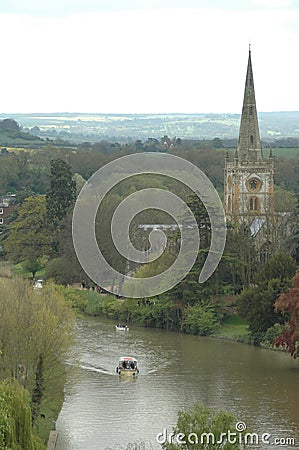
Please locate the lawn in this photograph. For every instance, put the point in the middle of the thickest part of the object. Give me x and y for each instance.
(233, 327)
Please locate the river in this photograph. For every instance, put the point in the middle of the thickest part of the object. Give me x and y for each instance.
(100, 412)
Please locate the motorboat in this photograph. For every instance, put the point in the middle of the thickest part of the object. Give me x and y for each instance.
(121, 327)
(127, 366)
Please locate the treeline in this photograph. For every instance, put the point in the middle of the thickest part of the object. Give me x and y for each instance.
(28, 172)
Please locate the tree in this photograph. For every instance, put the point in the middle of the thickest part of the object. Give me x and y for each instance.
(284, 201)
(29, 235)
(9, 125)
(65, 268)
(62, 192)
(15, 418)
(200, 319)
(201, 428)
(36, 332)
(288, 304)
(239, 258)
(280, 266)
(256, 303)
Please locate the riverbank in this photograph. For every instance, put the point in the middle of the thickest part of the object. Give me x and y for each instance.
(165, 314)
(49, 411)
(158, 313)
(233, 328)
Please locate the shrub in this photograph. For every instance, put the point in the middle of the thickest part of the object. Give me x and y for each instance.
(199, 319)
(203, 428)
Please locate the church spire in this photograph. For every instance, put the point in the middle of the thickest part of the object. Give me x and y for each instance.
(249, 145)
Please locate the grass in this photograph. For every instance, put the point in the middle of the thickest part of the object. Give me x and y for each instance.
(233, 327)
(5, 269)
(49, 411)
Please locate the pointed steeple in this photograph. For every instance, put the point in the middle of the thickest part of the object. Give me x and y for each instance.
(249, 144)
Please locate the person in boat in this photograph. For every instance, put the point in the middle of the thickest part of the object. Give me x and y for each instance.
(132, 365)
(124, 365)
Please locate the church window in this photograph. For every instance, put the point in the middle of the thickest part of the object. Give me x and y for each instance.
(251, 139)
(253, 204)
(250, 109)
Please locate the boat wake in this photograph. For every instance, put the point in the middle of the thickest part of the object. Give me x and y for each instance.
(95, 369)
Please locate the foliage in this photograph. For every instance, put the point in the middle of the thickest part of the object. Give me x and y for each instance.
(9, 125)
(200, 319)
(15, 418)
(64, 268)
(36, 331)
(198, 422)
(239, 259)
(272, 333)
(59, 270)
(288, 304)
(28, 238)
(39, 388)
(62, 192)
(284, 201)
(280, 266)
(256, 304)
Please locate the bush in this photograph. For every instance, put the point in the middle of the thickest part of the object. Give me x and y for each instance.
(195, 426)
(199, 319)
(272, 333)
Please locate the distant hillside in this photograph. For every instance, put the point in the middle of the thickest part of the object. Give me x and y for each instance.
(124, 127)
(11, 133)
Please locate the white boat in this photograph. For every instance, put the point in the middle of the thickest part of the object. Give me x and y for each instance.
(127, 366)
(121, 328)
(38, 284)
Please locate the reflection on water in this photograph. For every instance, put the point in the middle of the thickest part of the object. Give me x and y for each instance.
(103, 412)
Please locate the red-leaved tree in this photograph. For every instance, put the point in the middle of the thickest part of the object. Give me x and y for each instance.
(288, 304)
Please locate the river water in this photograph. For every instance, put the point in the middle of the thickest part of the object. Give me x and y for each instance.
(260, 387)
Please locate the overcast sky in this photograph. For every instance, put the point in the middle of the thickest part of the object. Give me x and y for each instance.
(147, 56)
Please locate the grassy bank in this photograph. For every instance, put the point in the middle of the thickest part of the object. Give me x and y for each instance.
(49, 411)
(234, 328)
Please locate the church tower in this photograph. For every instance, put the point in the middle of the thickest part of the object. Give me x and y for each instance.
(249, 177)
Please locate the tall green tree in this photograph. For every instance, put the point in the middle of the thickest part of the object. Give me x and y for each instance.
(29, 235)
(61, 194)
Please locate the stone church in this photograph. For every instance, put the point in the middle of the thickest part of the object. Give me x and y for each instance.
(249, 176)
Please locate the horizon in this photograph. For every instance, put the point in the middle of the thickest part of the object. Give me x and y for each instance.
(140, 113)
